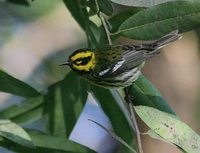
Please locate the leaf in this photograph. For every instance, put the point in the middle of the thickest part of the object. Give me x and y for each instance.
(159, 20)
(116, 116)
(30, 116)
(77, 12)
(117, 20)
(73, 99)
(93, 33)
(64, 104)
(105, 7)
(91, 4)
(12, 85)
(16, 110)
(145, 93)
(140, 3)
(48, 144)
(36, 10)
(54, 143)
(20, 2)
(170, 128)
(80, 14)
(28, 111)
(154, 135)
(103, 39)
(53, 109)
(15, 133)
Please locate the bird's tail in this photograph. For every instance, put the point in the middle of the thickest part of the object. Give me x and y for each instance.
(165, 40)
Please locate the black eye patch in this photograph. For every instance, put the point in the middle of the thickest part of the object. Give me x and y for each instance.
(82, 61)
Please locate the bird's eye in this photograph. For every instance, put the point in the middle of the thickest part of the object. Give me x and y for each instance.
(82, 61)
(78, 61)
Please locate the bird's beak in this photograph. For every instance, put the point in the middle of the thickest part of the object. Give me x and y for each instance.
(65, 63)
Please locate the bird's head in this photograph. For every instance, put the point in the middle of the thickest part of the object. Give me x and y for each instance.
(81, 61)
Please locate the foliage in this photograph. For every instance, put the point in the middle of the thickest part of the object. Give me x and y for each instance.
(169, 128)
(63, 103)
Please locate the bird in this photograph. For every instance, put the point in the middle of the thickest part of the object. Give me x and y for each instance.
(116, 66)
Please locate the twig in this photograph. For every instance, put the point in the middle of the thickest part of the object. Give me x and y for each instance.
(105, 27)
(114, 136)
(128, 100)
(101, 16)
(137, 131)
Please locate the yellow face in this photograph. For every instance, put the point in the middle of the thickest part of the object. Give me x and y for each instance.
(82, 61)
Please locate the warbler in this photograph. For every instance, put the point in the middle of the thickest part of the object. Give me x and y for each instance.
(116, 66)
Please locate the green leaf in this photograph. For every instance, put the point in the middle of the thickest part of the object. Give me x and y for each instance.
(73, 99)
(140, 3)
(15, 133)
(76, 10)
(93, 33)
(30, 116)
(154, 135)
(61, 144)
(30, 110)
(105, 7)
(117, 20)
(145, 93)
(91, 4)
(81, 15)
(103, 39)
(118, 120)
(170, 128)
(19, 2)
(36, 10)
(12, 85)
(53, 101)
(64, 104)
(159, 20)
(16, 110)
(48, 144)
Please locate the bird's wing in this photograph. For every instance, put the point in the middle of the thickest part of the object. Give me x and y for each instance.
(124, 58)
(117, 59)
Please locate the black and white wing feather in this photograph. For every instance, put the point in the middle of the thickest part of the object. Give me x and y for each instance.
(134, 55)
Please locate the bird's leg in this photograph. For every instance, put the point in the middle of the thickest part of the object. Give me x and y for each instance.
(128, 97)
